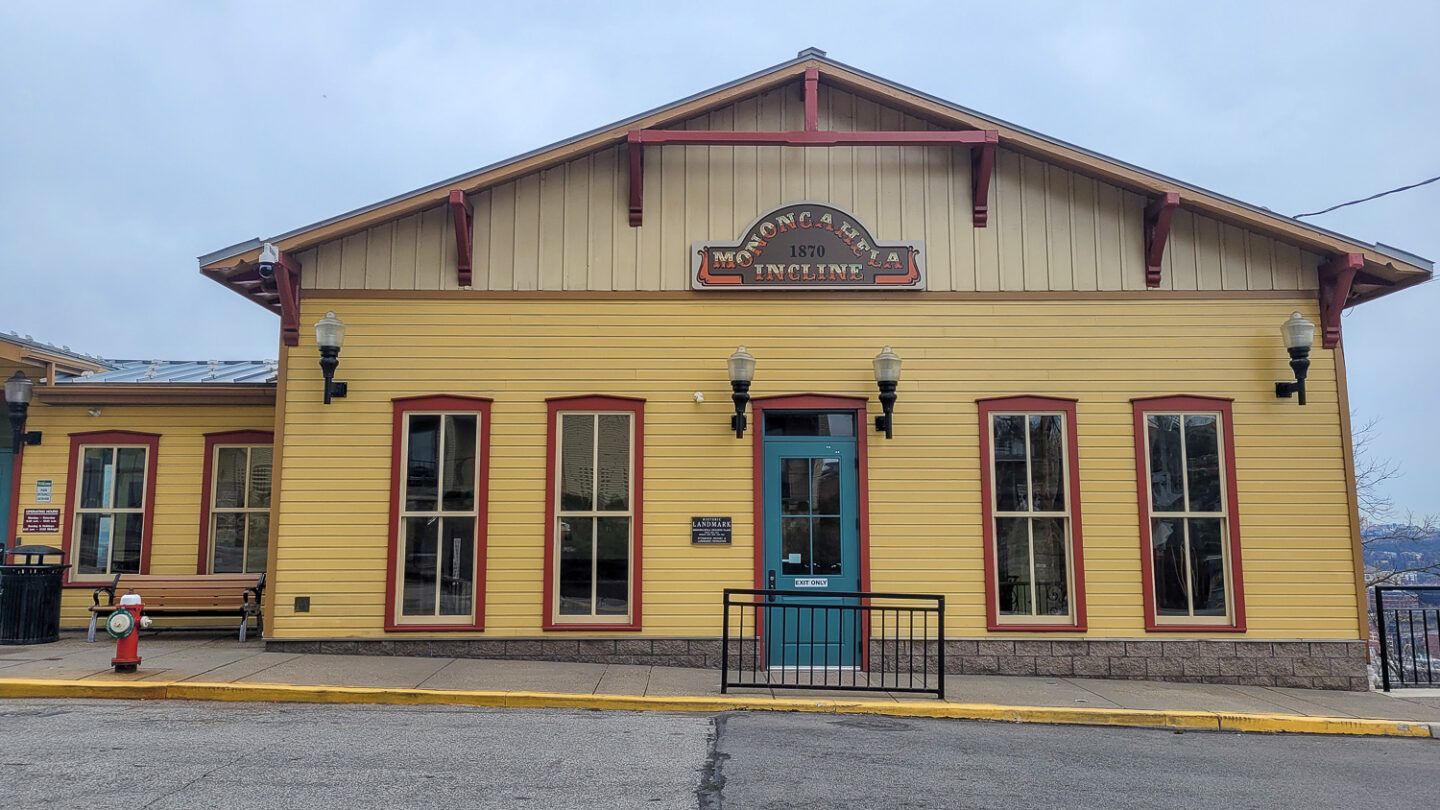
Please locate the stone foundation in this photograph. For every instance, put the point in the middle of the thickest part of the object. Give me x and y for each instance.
(1304, 664)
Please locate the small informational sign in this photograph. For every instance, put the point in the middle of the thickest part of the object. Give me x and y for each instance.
(40, 521)
(810, 246)
(710, 531)
(812, 582)
(42, 490)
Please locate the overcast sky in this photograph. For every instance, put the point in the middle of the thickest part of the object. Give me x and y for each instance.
(138, 136)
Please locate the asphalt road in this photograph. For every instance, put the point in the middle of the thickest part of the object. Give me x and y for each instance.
(120, 754)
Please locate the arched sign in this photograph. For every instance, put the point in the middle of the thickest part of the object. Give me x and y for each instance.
(807, 245)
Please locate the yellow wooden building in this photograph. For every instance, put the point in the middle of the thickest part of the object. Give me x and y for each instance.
(536, 455)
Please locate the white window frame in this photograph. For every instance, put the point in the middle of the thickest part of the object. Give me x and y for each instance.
(439, 513)
(560, 514)
(81, 510)
(1185, 516)
(996, 515)
(245, 510)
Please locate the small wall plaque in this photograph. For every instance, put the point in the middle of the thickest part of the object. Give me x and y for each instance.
(710, 531)
(40, 521)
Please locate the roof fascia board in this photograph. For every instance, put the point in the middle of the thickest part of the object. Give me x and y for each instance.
(158, 394)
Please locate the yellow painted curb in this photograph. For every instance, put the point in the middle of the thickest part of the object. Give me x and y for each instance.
(291, 693)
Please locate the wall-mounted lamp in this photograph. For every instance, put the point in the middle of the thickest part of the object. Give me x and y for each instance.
(887, 377)
(742, 372)
(18, 391)
(330, 335)
(1299, 335)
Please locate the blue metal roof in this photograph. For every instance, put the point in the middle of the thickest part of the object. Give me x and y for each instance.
(180, 371)
(63, 351)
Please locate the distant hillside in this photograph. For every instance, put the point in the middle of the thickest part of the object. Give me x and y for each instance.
(1389, 553)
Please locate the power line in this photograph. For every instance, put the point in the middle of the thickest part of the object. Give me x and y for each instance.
(1368, 199)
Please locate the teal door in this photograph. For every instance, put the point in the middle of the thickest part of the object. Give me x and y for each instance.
(7, 527)
(812, 540)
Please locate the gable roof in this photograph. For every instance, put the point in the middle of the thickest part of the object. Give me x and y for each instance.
(29, 351)
(1386, 269)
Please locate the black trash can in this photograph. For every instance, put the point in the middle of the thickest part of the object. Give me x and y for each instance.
(30, 596)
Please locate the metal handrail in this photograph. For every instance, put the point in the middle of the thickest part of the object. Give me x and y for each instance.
(1431, 656)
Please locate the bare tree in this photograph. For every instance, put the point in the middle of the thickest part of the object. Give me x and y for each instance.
(1382, 525)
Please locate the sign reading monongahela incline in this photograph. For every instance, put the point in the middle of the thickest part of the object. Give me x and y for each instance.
(807, 245)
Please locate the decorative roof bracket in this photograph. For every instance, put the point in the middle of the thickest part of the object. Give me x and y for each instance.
(279, 266)
(1336, 278)
(1157, 233)
(464, 215)
(982, 159)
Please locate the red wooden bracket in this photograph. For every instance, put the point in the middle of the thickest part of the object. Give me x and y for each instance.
(1157, 233)
(1336, 278)
(982, 166)
(637, 178)
(812, 100)
(464, 215)
(287, 285)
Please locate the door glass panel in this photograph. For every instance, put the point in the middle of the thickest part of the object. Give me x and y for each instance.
(1207, 564)
(612, 566)
(1011, 486)
(459, 469)
(577, 463)
(1051, 596)
(1167, 479)
(230, 466)
(577, 552)
(1202, 463)
(795, 486)
(1167, 549)
(825, 547)
(1047, 462)
(825, 485)
(614, 463)
(790, 423)
(422, 464)
(1012, 540)
(421, 565)
(795, 546)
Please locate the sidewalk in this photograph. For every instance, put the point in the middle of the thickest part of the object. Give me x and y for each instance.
(217, 667)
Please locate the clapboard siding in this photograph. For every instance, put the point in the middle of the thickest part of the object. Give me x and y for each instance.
(567, 227)
(924, 484)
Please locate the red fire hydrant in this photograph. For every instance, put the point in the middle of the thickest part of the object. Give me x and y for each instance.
(123, 626)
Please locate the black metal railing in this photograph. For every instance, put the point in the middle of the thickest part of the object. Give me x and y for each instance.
(847, 641)
(1409, 635)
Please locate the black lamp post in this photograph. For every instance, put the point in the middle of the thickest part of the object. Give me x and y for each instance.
(330, 335)
(742, 372)
(18, 391)
(1299, 335)
(887, 378)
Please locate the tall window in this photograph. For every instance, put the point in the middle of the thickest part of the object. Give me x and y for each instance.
(112, 477)
(440, 506)
(1031, 512)
(1187, 499)
(595, 511)
(240, 508)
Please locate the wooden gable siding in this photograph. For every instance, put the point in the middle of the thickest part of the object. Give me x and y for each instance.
(566, 228)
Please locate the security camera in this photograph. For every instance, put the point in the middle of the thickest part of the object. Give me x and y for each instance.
(269, 257)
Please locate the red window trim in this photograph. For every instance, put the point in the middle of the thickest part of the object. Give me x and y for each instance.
(207, 478)
(1066, 406)
(595, 403)
(108, 438)
(1221, 405)
(437, 403)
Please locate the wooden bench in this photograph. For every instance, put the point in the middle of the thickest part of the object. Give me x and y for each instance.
(193, 595)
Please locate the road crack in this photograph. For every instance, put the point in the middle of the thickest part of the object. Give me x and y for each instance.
(712, 773)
